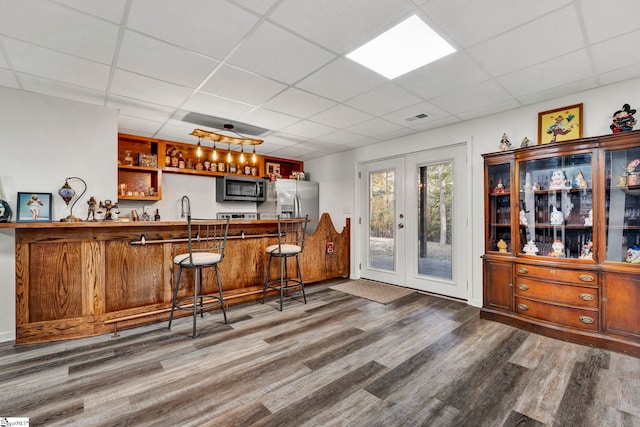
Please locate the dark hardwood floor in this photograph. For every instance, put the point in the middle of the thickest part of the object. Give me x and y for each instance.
(338, 360)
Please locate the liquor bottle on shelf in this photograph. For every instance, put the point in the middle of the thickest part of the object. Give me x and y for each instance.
(167, 157)
(189, 163)
(175, 160)
(181, 162)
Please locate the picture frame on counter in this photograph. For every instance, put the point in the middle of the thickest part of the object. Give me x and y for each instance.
(33, 207)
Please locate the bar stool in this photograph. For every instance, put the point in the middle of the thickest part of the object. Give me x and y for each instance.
(290, 244)
(207, 241)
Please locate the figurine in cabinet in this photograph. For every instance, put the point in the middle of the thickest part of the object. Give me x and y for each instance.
(558, 180)
(523, 217)
(556, 217)
(558, 249)
(500, 188)
(633, 254)
(530, 248)
(587, 250)
(91, 213)
(502, 246)
(588, 221)
(580, 182)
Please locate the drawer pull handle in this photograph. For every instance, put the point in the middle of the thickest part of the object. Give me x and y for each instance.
(586, 297)
(587, 278)
(523, 287)
(586, 319)
(523, 270)
(523, 307)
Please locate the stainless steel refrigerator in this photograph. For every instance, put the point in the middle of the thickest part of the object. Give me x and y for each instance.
(291, 198)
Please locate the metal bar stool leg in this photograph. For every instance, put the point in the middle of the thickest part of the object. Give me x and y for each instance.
(195, 299)
(266, 279)
(224, 310)
(304, 296)
(283, 267)
(175, 296)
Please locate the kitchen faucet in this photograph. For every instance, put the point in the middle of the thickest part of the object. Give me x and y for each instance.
(188, 210)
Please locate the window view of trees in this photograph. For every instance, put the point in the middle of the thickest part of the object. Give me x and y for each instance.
(382, 200)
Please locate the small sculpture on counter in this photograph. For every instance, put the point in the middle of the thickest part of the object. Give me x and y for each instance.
(91, 213)
(111, 210)
(588, 221)
(530, 248)
(623, 120)
(524, 143)
(502, 246)
(558, 180)
(500, 188)
(633, 254)
(556, 217)
(580, 182)
(587, 250)
(505, 145)
(558, 249)
(523, 217)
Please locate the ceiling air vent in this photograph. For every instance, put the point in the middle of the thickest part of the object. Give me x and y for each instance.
(417, 117)
(220, 122)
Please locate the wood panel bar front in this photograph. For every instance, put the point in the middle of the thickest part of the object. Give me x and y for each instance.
(81, 279)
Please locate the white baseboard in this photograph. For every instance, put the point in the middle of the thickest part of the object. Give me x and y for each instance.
(7, 336)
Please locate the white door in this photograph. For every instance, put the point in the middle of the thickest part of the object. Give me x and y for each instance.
(438, 245)
(382, 221)
(413, 221)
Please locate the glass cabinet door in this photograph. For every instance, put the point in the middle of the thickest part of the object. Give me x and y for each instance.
(499, 206)
(622, 205)
(555, 207)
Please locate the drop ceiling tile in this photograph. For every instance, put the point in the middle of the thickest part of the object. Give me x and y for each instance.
(483, 94)
(538, 41)
(493, 107)
(137, 125)
(362, 142)
(557, 92)
(620, 74)
(283, 139)
(469, 22)
(556, 72)
(111, 10)
(607, 57)
(604, 20)
(308, 129)
(340, 26)
(3, 61)
(59, 28)
(298, 103)
(269, 149)
(384, 99)
(209, 27)
(142, 110)
(215, 106)
(147, 89)
(258, 6)
(322, 146)
(144, 55)
(435, 123)
(400, 117)
(61, 90)
(395, 134)
(446, 75)
(269, 48)
(7, 79)
(341, 137)
(234, 83)
(295, 152)
(341, 116)
(374, 127)
(269, 119)
(48, 64)
(340, 80)
(180, 132)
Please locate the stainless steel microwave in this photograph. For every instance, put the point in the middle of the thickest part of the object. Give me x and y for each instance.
(238, 188)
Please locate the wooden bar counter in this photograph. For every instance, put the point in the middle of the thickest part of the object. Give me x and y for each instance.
(81, 279)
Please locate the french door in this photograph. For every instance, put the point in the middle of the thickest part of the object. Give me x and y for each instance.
(414, 213)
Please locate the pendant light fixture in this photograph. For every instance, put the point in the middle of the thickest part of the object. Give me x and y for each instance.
(242, 154)
(254, 158)
(227, 139)
(229, 153)
(199, 149)
(214, 155)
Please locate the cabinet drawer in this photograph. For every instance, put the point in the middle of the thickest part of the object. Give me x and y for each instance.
(580, 296)
(572, 317)
(557, 274)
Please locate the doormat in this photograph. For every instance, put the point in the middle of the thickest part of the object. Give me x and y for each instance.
(373, 291)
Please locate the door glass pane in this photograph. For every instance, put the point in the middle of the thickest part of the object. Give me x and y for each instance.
(382, 202)
(499, 204)
(435, 203)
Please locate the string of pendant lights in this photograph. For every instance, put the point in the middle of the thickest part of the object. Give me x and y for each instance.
(226, 139)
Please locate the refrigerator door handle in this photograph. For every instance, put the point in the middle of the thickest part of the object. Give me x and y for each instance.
(296, 208)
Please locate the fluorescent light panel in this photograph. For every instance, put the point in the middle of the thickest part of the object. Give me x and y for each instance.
(403, 48)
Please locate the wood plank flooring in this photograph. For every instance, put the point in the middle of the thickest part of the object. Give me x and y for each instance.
(337, 361)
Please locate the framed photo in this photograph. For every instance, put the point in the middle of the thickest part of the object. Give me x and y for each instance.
(273, 169)
(560, 124)
(34, 207)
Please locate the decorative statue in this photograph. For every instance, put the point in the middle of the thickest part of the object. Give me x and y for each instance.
(588, 221)
(580, 182)
(500, 188)
(587, 250)
(530, 248)
(525, 142)
(556, 217)
(109, 208)
(523, 218)
(558, 180)
(623, 120)
(92, 209)
(633, 254)
(558, 249)
(502, 246)
(505, 145)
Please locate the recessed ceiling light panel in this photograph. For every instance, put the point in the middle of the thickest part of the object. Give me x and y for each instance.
(405, 47)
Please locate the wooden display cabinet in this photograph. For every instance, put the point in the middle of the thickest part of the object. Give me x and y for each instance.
(562, 252)
(139, 174)
(285, 167)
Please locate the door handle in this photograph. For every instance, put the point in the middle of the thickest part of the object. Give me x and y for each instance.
(401, 225)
